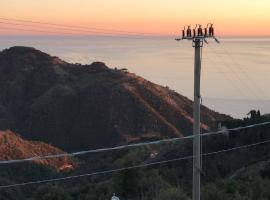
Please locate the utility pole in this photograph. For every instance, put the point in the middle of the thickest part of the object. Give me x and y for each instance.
(198, 38)
(196, 123)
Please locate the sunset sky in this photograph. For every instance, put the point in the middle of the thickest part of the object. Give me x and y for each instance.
(231, 17)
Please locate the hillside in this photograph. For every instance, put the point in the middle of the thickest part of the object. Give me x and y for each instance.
(75, 107)
(12, 146)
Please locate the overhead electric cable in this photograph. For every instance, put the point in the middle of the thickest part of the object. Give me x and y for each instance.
(128, 146)
(131, 167)
(72, 34)
(229, 78)
(237, 64)
(36, 26)
(73, 26)
(235, 74)
(70, 29)
(38, 31)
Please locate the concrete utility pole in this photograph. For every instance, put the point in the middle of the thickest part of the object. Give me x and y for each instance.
(198, 38)
(196, 123)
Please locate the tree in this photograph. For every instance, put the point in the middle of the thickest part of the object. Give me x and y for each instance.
(51, 193)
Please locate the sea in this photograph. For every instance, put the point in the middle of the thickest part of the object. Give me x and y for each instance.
(235, 74)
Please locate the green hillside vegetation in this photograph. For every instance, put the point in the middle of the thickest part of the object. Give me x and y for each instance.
(78, 107)
(240, 174)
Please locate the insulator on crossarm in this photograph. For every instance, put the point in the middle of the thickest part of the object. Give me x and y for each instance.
(183, 33)
(200, 32)
(211, 30)
(194, 33)
(205, 32)
(189, 32)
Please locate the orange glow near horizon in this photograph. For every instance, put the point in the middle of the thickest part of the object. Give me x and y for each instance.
(159, 17)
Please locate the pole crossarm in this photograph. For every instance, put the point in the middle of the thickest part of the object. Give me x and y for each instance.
(198, 33)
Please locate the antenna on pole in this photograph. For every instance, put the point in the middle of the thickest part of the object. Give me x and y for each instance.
(199, 36)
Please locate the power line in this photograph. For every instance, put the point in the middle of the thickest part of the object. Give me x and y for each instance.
(73, 26)
(230, 79)
(72, 34)
(131, 167)
(72, 29)
(236, 74)
(39, 31)
(249, 79)
(128, 146)
(231, 71)
(35, 26)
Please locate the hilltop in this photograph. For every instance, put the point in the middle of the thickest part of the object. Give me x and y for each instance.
(75, 106)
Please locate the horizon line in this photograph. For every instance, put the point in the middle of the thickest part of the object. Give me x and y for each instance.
(126, 35)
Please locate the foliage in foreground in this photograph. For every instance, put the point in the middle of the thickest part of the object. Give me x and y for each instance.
(238, 175)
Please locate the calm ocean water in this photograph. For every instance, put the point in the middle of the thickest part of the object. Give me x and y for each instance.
(235, 73)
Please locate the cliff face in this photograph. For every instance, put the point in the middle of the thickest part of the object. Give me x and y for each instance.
(12, 146)
(78, 107)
